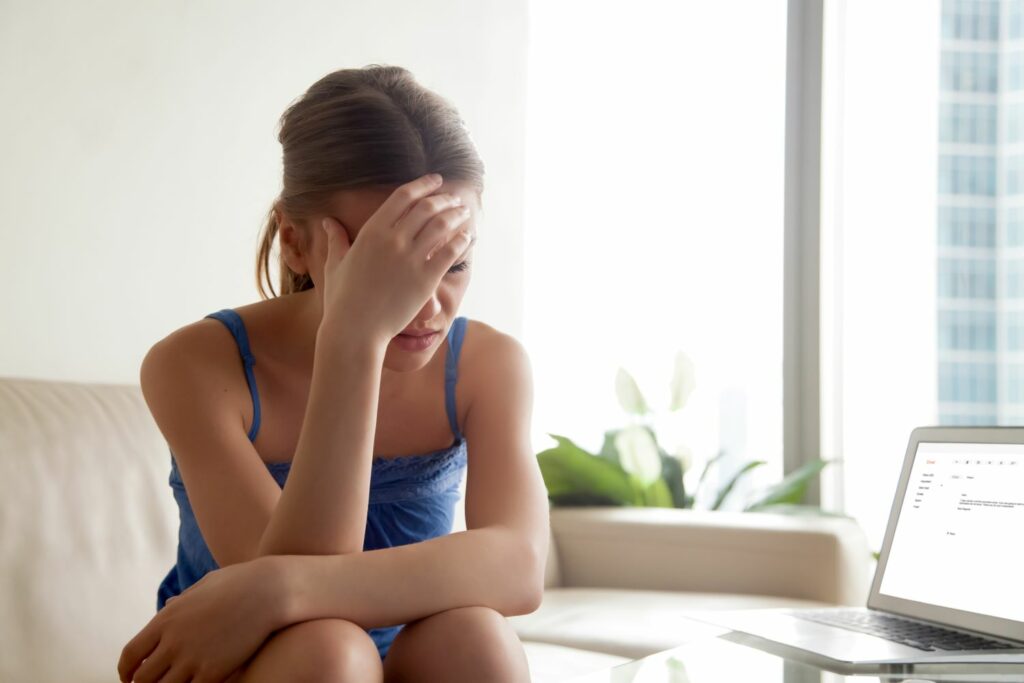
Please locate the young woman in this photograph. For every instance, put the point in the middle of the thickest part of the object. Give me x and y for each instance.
(346, 389)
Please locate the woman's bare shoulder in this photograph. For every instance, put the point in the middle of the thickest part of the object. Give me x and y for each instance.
(200, 339)
(482, 342)
(206, 343)
(211, 335)
(485, 347)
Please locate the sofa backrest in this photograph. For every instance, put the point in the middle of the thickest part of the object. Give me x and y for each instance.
(88, 526)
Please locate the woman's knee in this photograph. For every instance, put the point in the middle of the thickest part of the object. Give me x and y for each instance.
(317, 651)
(484, 622)
(499, 655)
(489, 649)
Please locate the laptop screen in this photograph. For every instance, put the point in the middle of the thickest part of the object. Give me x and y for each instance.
(957, 541)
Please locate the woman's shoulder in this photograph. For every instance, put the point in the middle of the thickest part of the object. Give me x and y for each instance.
(482, 341)
(199, 334)
(484, 349)
(205, 342)
(208, 331)
(198, 359)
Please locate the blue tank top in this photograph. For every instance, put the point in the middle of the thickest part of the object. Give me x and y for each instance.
(412, 497)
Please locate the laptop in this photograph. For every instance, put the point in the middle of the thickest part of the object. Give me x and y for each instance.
(949, 583)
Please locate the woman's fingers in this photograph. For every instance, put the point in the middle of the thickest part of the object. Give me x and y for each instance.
(154, 667)
(337, 239)
(177, 674)
(412, 225)
(449, 253)
(439, 230)
(400, 201)
(137, 649)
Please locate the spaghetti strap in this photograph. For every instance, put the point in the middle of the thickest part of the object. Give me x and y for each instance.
(234, 323)
(451, 372)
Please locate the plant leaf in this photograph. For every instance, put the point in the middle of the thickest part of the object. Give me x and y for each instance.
(791, 489)
(638, 454)
(630, 398)
(704, 473)
(659, 495)
(672, 473)
(568, 469)
(608, 451)
(684, 455)
(725, 490)
(683, 381)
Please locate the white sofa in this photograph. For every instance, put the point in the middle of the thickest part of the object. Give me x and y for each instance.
(88, 528)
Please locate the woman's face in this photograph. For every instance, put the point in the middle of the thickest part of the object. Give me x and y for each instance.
(353, 208)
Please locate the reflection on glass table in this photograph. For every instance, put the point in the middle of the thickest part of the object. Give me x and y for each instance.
(736, 657)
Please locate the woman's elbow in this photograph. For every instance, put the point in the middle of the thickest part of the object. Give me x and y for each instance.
(530, 581)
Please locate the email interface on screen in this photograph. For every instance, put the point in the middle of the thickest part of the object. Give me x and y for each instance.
(958, 537)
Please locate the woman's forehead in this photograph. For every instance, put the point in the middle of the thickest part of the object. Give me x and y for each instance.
(358, 204)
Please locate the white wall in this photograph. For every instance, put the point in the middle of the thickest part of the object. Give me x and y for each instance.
(140, 153)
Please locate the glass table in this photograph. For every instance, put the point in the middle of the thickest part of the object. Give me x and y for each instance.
(734, 657)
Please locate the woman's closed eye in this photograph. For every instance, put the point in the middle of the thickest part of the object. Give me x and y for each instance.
(459, 267)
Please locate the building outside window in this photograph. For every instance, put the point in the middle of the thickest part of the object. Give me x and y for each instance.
(981, 213)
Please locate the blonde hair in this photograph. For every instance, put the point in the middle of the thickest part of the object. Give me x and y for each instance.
(369, 127)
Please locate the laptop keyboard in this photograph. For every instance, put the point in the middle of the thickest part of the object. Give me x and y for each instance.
(904, 631)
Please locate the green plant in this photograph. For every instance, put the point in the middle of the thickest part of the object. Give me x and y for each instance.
(633, 469)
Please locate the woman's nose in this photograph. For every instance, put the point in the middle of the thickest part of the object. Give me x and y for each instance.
(431, 308)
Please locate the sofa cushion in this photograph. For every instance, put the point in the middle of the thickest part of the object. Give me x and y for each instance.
(631, 623)
(556, 663)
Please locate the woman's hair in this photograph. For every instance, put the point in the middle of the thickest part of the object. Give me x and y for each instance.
(368, 127)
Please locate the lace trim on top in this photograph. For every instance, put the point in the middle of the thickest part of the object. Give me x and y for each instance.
(402, 477)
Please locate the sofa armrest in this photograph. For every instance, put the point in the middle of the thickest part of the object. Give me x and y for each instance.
(814, 558)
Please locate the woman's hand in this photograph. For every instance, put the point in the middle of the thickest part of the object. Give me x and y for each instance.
(376, 285)
(208, 631)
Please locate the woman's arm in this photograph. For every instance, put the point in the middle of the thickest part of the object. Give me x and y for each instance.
(372, 287)
(222, 619)
(498, 562)
(491, 567)
(242, 512)
(323, 508)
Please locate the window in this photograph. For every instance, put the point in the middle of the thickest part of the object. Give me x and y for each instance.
(970, 19)
(654, 211)
(969, 71)
(967, 226)
(932, 265)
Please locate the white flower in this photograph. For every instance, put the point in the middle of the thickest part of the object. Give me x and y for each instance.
(630, 398)
(638, 453)
(685, 457)
(683, 381)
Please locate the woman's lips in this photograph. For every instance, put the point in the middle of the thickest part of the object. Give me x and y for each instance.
(408, 342)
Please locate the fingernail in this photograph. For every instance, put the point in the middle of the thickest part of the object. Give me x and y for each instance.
(435, 178)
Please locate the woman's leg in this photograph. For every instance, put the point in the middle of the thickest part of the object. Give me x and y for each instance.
(462, 644)
(320, 651)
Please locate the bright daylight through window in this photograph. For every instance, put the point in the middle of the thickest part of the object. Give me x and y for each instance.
(654, 212)
(925, 125)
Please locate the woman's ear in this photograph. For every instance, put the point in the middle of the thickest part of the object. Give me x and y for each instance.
(293, 248)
